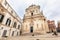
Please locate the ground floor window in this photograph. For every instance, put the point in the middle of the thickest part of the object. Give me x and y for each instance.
(17, 33)
(4, 33)
(13, 33)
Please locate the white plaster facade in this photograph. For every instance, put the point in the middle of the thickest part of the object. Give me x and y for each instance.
(9, 13)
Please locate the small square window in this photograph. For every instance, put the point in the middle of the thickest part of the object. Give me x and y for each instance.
(11, 11)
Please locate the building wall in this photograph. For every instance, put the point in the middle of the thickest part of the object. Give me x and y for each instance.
(10, 15)
(58, 24)
(58, 27)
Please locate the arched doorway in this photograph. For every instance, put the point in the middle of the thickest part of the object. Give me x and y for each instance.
(31, 29)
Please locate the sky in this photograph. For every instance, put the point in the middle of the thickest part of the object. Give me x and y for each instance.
(51, 8)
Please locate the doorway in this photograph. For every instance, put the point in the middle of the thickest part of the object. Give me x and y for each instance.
(31, 29)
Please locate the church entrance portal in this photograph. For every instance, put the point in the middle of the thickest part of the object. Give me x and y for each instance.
(31, 29)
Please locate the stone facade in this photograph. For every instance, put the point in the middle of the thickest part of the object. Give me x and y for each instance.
(34, 21)
(10, 23)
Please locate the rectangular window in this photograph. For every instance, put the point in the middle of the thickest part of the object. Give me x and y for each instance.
(18, 26)
(31, 14)
(37, 25)
(11, 11)
(14, 24)
(13, 33)
(4, 33)
(17, 33)
(1, 18)
(5, 3)
(8, 22)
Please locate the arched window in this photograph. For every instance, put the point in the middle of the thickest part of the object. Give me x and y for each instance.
(8, 22)
(1, 18)
(14, 24)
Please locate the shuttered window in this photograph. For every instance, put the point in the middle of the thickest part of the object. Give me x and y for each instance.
(1, 18)
(14, 24)
(8, 22)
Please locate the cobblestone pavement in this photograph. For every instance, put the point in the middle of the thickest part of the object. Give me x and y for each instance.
(35, 37)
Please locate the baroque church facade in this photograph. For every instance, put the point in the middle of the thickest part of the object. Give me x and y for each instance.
(34, 21)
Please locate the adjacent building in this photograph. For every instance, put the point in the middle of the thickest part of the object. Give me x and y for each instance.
(10, 23)
(34, 21)
(58, 28)
(51, 25)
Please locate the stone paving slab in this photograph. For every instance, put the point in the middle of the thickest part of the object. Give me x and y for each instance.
(36, 37)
